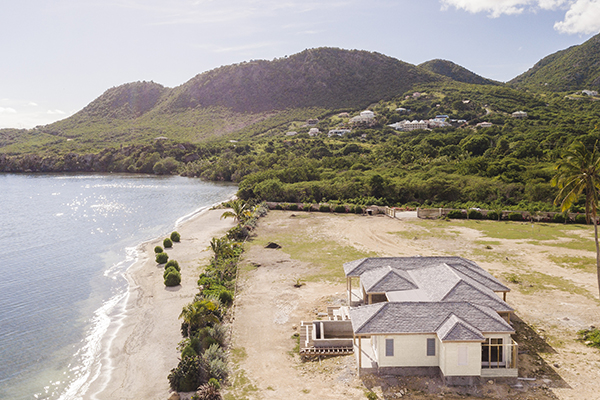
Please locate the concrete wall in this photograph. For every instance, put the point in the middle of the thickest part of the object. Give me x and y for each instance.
(337, 329)
(409, 351)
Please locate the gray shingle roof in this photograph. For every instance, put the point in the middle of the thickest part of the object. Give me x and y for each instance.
(386, 279)
(455, 329)
(463, 267)
(425, 317)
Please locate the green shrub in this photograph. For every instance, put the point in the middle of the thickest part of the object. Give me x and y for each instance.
(358, 210)
(162, 258)
(189, 374)
(168, 243)
(580, 219)
(168, 271)
(340, 208)
(324, 208)
(590, 336)
(493, 215)
(559, 218)
(293, 207)
(174, 264)
(216, 362)
(307, 207)
(188, 351)
(474, 214)
(455, 214)
(226, 297)
(514, 216)
(173, 278)
(158, 249)
(371, 395)
(175, 236)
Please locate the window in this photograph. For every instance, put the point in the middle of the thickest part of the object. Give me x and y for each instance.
(491, 351)
(431, 347)
(463, 355)
(389, 347)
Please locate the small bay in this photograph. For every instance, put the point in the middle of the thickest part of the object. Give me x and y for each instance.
(65, 242)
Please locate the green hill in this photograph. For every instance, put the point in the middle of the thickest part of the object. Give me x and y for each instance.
(575, 68)
(229, 99)
(456, 72)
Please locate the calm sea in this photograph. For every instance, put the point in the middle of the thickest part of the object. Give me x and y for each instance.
(65, 241)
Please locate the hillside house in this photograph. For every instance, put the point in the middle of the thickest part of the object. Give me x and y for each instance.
(410, 125)
(313, 132)
(484, 124)
(338, 132)
(519, 114)
(589, 92)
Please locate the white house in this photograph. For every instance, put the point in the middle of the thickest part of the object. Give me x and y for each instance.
(519, 114)
(432, 316)
(313, 131)
(590, 92)
(410, 125)
(485, 124)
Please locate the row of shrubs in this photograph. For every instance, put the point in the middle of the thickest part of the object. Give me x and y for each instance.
(172, 274)
(203, 363)
(513, 216)
(337, 208)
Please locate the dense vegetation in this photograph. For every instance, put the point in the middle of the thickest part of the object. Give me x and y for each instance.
(203, 362)
(456, 72)
(575, 68)
(248, 108)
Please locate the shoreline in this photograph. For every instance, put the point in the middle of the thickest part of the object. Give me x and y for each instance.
(140, 349)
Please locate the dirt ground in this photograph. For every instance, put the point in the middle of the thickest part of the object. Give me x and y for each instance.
(552, 299)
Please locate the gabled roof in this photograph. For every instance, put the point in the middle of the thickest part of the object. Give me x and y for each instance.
(428, 317)
(386, 279)
(464, 268)
(455, 329)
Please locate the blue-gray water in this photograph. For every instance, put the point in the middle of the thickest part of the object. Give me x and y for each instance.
(65, 241)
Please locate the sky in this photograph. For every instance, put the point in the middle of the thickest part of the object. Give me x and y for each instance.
(57, 56)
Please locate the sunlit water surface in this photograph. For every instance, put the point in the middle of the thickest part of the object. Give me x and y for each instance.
(65, 241)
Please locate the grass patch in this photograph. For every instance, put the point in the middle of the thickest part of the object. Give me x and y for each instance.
(487, 242)
(298, 239)
(587, 264)
(590, 336)
(532, 282)
(241, 387)
(521, 230)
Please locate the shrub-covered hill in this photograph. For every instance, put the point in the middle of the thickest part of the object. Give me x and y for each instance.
(575, 68)
(456, 72)
(229, 99)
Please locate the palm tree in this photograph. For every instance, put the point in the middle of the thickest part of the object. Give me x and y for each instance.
(196, 315)
(240, 211)
(579, 171)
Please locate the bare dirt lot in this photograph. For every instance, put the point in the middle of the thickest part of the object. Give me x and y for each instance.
(549, 268)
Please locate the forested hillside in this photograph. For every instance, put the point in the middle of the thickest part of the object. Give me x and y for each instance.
(575, 68)
(265, 124)
(456, 72)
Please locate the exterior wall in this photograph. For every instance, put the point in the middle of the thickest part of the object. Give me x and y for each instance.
(450, 351)
(409, 351)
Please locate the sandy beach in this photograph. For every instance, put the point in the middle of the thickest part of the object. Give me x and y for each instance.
(143, 349)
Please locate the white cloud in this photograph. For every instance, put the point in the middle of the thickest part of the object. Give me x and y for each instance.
(60, 112)
(32, 104)
(582, 16)
(8, 110)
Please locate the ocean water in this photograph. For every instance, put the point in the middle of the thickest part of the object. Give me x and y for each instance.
(65, 242)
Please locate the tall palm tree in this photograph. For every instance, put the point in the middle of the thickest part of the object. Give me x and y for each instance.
(239, 211)
(578, 171)
(196, 315)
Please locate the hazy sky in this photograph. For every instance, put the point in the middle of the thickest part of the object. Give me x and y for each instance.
(59, 55)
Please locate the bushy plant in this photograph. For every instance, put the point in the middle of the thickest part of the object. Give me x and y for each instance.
(174, 264)
(358, 210)
(340, 208)
(175, 236)
(474, 214)
(208, 391)
(324, 208)
(580, 219)
(455, 214)
(293, 207)
(189, 374)
(167, 243)
(173, 278)
(225, 297)
(559, 218)
(162, 258)
(188, 351)
(216, 362)
(514, 216)
(493, 215)
(168, 271)
(158, 249)
(590, 336)
(307, 207)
